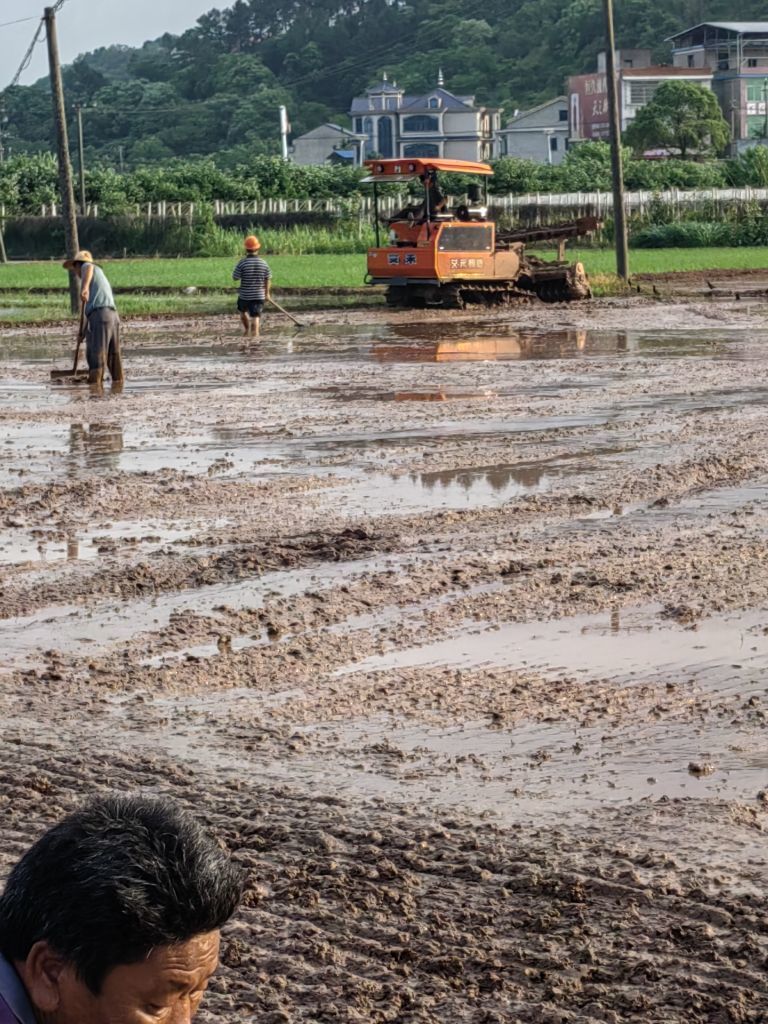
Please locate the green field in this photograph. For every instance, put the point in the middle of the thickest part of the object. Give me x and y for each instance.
(665, 261)
(345, 271)
(309, 271)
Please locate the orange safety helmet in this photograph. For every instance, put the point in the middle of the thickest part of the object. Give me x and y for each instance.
(252, 243)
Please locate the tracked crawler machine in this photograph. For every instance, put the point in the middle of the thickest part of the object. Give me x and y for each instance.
(438, 256)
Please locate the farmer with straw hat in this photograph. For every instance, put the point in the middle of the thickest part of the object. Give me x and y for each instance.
(255, 279)
(102, 334)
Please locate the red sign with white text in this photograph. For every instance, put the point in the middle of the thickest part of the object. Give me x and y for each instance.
(588, 96)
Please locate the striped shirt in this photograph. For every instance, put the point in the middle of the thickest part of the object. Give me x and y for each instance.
(252, 273)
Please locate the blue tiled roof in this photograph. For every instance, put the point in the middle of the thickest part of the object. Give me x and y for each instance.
(361, 104)
(448, 101)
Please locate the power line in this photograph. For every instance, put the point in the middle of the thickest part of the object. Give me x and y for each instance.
(18, 21)
(35, 40)
(27, 59)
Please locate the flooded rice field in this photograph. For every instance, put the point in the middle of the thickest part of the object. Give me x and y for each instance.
(454, 629)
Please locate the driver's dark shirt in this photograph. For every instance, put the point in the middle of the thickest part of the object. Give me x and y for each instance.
(15, 1007)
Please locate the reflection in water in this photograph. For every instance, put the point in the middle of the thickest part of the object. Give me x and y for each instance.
(499, 478)
(95, 446)
(515, 345)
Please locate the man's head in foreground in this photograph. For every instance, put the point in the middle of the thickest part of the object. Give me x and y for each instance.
(113, 917)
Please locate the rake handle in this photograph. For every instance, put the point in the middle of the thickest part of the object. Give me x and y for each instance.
(285, 312)
(80, 336)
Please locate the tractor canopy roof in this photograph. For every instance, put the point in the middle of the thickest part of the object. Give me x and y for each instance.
(416, 167)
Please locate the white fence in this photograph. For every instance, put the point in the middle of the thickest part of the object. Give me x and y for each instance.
(599, 203)
(602, 202)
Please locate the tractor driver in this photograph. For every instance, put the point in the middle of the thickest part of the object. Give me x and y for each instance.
(434, 201)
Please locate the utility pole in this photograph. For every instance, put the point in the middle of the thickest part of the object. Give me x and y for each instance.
(619, 212)
(284, 130)
(81, 156)
(3, 122)
(66, 187)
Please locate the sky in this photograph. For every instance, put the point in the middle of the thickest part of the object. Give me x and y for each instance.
(87, 24)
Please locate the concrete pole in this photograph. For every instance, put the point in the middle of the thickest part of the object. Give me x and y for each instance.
(619, 212)
(66, 186)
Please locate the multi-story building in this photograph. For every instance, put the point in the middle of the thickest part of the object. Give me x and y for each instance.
(539, 134)
(638, 81)
(737, 51)
(437, 124)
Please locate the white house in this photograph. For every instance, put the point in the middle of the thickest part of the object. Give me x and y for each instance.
(539, 134)
(329, 143)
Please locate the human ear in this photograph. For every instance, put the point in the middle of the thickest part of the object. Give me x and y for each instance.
(43, 971)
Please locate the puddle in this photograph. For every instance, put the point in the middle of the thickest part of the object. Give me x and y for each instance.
(480, 487)
(45, 546)
(624, 644)
(78, 631)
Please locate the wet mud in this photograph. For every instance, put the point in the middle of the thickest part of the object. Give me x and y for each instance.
(453, 629)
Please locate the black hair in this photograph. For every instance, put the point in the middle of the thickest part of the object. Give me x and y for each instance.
(113, 881)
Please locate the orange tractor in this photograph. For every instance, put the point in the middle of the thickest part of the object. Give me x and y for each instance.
(437, 256)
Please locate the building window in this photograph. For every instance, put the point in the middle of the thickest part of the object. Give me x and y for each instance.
(391, 102)
(691, 60)
(421, 149)
(434, 103)
(553, 144)
(641, 93)
(563, 115)
(368, 131)
(359, 125)
(386, 148)
(421, 123)
(752, 62)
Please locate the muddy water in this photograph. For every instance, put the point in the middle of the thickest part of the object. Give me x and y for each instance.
(437, 579)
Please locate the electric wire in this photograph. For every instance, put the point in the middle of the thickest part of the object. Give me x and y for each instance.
(27, 59)
(18, 21)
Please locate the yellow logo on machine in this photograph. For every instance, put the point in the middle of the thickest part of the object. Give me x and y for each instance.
(467, 264)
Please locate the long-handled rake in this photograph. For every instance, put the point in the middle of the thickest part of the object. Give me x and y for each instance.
(73, 373)
(290, 316)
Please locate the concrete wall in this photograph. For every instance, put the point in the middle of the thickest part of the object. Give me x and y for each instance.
(461, 123)
(314, 148)
(456, 149)
(534, 145)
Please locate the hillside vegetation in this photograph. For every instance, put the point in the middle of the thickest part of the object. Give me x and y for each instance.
(215, 89)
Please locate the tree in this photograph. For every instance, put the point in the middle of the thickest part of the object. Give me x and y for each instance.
(682, 117)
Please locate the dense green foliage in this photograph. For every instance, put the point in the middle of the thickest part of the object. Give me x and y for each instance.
(216, 88)
(682, 117)
(29, 182)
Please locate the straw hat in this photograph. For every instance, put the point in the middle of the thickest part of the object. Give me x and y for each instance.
(80, 257)
(252, 243)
